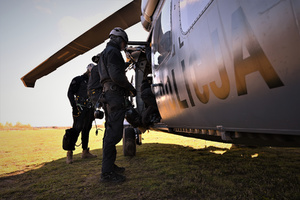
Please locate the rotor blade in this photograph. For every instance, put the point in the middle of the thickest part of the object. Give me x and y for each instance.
(124, 18)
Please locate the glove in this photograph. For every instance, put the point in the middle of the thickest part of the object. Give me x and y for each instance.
(133, 93)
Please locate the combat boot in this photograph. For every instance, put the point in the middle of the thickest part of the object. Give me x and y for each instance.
(112, 177)
(86, 154)
(118, 169)
(69, 157)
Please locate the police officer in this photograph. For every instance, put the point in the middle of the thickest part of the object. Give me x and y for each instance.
(83, 113)
(151, 114)
(94, 86)
(116, 86)
(95, 89)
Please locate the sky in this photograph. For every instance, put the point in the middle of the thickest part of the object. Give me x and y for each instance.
(30, 32)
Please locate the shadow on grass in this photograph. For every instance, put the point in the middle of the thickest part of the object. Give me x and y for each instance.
(162, 171)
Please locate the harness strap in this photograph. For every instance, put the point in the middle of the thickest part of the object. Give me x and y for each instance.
(112, 86)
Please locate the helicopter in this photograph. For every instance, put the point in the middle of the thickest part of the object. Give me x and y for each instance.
(226, 71)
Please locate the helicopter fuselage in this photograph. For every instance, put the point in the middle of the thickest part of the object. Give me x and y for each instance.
(227, 67)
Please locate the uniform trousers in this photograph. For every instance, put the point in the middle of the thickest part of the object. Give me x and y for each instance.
(114, 114)
(83, 123)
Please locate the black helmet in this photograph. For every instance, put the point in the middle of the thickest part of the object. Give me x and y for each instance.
(120, 33)
(96, 58)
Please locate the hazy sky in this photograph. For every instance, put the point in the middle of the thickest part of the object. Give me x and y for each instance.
(30, 32)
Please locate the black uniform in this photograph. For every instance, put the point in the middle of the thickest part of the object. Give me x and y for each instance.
(94, 86)
(115, 87)
(83, 113)
(151, 114)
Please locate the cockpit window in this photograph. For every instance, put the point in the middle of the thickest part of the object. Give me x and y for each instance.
(190, 12)
(162, 41)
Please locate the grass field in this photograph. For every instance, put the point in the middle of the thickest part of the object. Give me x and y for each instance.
(165, 167)
(22, 150)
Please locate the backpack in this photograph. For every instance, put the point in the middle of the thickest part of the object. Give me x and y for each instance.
(68, 141)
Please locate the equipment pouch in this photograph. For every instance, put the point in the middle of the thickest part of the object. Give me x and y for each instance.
(67, 142)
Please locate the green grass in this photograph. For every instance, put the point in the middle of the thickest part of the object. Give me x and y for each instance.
(22, 150)
(168, 167)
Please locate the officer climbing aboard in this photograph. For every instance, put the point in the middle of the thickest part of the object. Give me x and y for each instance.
(83, 114)
(116, 87)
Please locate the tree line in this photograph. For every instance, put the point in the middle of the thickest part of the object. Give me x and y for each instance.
(17, 126)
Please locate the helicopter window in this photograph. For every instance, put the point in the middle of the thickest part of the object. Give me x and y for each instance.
(162, 42)
(191, 11)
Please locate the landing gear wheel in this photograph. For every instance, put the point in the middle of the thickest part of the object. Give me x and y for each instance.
(129, 142)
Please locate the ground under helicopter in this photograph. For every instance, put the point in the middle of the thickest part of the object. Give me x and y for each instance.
(225, 71)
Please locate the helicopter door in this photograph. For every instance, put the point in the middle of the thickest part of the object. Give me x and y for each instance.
(162, 37)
